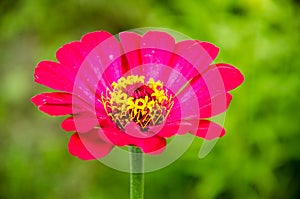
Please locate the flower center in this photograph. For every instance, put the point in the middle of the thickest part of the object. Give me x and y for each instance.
(131, 99)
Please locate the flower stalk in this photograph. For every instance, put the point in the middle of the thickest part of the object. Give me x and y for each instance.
(136, 173)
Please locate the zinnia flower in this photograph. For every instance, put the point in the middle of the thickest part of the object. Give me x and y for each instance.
(135, 90)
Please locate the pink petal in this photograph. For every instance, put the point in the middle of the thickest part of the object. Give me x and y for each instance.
(187, 103)
(131, 47)
(231, 76)
(165, 130)
(189, 59)
(95, 38)
(205, 87)
(108, 58)
(182, 61)
(89, 56)
(199, 54)
(88, 146)
(211, 49)
(73, 54)
(156, 51)
(106, 54)
(86, 89)
(54, 75)
(61, 103)
(55, 104)
(201, 128)
(81, 122)
(90, 59)
(68, 124)
(133, 129)
(218, 80)
(181, 73)
(158, 39)
(152, 145)
(52, 98)
(130, 41)
(209, 130)
(114, 135)
(61, 76)
(56, 110)
(176, 81)
(117, 68)
(214, 106)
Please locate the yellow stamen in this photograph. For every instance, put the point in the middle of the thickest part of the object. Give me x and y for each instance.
(146, 109)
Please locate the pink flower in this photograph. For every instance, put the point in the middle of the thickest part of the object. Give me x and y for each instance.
(136, 90)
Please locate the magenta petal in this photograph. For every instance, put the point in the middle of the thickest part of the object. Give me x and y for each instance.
(153, 145)
(211, 49)
(231, 76)
(91, 55)
(156, 51)
(55, 104)
(214, 106)
(68, 124)
(117, 68)
(176, 80)
(56, 110)
(131, 47)
(130, 41)
(109, 58)
(72, 55)
(166, 131)
(209, 130)
(85, 121)
(189, 59)
(95, 38)
(76, 148)
(192, 57)
(158, 40)
(217, 80)
(54, 75)
(115, 136)
(198, 54)
(211, 101)
(183, 68)
(134, 130)
(88, 146)
(205, 129)
(52, 98)
(178, 127)
(188, 104)
(81, 122)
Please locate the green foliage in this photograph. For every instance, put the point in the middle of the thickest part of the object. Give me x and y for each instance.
(258, 158)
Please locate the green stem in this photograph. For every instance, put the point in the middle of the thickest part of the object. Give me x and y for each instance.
(136, 173)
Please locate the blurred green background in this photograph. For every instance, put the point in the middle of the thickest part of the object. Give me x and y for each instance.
(259, 158)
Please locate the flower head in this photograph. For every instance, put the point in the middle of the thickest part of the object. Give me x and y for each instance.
(136, 90)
